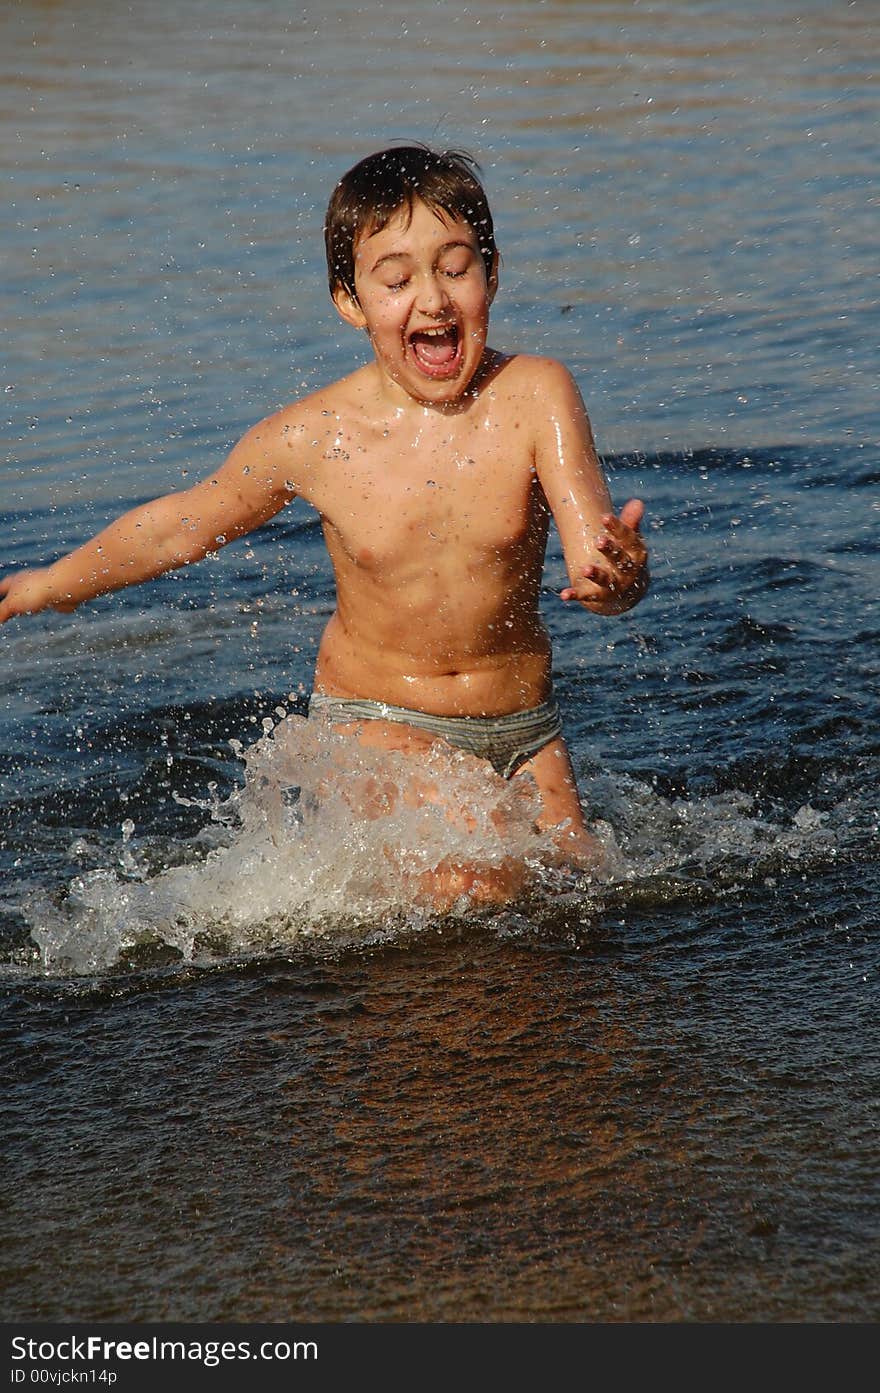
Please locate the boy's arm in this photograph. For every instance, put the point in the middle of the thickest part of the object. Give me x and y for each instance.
(172, 531)
(605, 555)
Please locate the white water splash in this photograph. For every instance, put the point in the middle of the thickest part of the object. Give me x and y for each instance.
(325, 839)
(328, 842)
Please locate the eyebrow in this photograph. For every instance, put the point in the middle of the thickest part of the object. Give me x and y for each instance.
(406, 256)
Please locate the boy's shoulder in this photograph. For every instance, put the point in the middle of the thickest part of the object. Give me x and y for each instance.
(529, 366)
(335, 400)
(532, 374)
(509, 377)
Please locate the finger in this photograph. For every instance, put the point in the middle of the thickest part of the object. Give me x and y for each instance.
(622, 547)
(597, 584)
(613, 552)
(602, 584)
(628, 537)
(625, 561)
(632, 512)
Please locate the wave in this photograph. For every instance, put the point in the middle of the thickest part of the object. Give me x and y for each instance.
(328, 845)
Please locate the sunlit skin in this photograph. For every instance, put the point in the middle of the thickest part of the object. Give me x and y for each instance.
(435, 468)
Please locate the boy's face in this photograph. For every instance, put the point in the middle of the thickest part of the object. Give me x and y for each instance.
(423, 298)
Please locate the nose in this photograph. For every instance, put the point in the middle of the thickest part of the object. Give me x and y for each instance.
(431, 298)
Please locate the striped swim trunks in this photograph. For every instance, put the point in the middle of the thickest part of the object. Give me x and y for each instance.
(505, 741)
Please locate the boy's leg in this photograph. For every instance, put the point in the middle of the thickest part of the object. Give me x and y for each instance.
(443, 885)
(551, 768)
(552, 771)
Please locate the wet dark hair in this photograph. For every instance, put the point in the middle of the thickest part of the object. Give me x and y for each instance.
(368, 196)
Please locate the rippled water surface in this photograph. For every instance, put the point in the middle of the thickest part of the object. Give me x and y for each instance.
(246, 1077)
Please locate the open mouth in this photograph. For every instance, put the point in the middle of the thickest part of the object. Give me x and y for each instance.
(436, 351)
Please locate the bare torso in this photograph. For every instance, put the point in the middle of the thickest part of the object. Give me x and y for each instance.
(436, 525)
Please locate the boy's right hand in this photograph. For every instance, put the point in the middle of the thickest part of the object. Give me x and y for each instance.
(28, 592)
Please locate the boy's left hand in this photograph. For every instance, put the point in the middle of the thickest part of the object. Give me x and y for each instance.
(623, 580)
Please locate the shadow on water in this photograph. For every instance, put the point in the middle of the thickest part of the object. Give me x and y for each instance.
(478, 1124)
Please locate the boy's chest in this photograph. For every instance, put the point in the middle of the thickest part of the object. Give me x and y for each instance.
(437, 490)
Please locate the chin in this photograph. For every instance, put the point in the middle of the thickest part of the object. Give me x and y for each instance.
(439, 388)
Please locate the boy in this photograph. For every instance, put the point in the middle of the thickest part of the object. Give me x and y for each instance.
(435, 469)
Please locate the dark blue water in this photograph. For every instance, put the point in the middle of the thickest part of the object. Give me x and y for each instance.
(244, 1080)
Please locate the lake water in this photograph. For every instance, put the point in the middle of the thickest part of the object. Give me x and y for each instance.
(244, 1079)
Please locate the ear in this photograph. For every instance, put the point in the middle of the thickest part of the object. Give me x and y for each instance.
(347, 305)
(493, 278)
